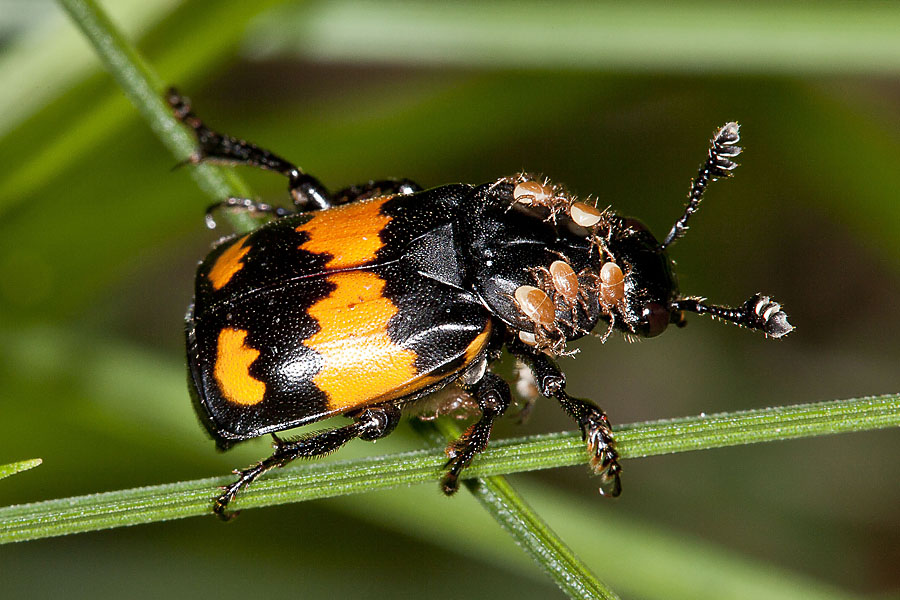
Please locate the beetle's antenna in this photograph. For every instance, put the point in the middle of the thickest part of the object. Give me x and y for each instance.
(719, 164)
(759, 312)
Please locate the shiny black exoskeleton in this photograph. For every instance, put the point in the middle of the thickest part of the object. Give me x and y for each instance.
(360, 302)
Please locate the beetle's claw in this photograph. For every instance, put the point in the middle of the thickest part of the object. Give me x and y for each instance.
(220, 504)
(610, 483)
(460, 456)
(450, 483)
(604, 459)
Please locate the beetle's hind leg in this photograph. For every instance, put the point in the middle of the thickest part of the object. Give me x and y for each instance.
(372, 423)
(493, 398)
(307, 192)
(595, 428)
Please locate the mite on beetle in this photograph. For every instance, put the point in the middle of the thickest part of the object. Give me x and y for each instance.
(361, 301)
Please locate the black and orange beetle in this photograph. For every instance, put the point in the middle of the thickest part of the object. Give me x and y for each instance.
(362, 301)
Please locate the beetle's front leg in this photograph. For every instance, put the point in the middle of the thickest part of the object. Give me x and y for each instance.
(371, 423)
(595, 428)
(493, 398)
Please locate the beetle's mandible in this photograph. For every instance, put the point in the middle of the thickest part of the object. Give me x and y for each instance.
(361, 301)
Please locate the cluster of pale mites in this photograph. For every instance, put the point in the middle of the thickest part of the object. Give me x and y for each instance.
(558, 287)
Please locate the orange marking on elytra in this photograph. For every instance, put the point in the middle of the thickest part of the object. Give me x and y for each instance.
(477, 345)
(228, 263)
(232, 370)
(361, 362)
(349, 233)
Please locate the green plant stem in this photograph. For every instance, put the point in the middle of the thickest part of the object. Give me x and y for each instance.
(529, 530)
(534, 536)
(324, 480)
(145, 90)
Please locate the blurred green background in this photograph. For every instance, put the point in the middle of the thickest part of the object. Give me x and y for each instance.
(99, 238)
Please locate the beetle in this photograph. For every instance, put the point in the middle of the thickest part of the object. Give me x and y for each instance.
(362, 301)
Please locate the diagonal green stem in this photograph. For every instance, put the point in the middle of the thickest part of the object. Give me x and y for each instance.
(534, 536)
(321, 480)
(145, 90)
(526, 527)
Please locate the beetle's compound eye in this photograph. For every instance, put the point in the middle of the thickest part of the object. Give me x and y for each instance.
(585, 214)
(532, 192)
(657, 317)
(612, 284)
(565, 281)
(536, 305)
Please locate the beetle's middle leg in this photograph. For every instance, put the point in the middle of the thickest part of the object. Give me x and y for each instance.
(245, 204)
(493, 398)
(375, 188)
(307, 192)
(372, 423)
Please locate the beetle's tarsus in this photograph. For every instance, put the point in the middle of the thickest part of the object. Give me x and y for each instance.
(596, 431)
(244, 204)
(604, 458)
(450, 484)
(373, 189)
(494, 397)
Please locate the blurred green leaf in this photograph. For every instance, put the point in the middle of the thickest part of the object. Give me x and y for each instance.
(18, 467)
(636, 36)
(641, 559)
(35, 56)
(186, 51)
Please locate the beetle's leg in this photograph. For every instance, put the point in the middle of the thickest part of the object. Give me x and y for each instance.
(373, 189)
(493, 398)
(595, 427)
(372, 423)
(307, 192)
(245, 204)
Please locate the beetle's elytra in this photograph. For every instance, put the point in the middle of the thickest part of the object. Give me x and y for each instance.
(359, 302)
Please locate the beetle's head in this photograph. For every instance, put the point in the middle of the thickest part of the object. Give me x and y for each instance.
(637, 287)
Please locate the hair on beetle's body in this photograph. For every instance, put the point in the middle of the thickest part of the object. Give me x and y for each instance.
(359, 302)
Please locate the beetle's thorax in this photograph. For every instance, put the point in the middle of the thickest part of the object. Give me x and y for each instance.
(554, 268)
